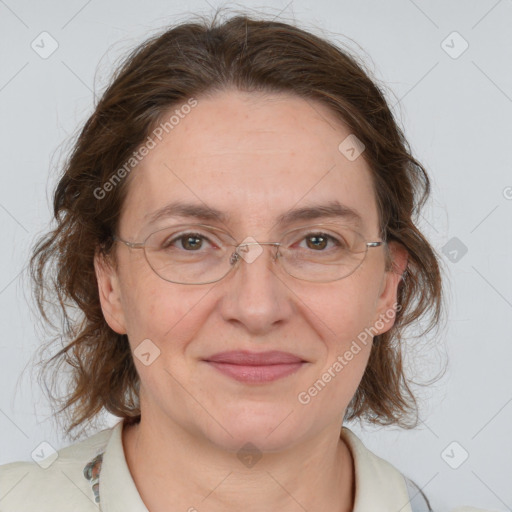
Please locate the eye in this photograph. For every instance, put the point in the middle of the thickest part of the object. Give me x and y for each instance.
(319, 241)
(189, 242)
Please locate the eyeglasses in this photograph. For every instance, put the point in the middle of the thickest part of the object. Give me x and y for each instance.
(201, 254)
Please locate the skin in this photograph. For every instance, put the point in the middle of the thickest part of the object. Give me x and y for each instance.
(253, 156)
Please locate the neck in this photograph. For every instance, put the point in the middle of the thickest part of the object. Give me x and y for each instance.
(174, 470)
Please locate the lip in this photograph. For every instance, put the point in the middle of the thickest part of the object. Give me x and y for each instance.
(247, 358)
(256, 367)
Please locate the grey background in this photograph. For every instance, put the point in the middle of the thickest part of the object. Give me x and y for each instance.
(456, 114)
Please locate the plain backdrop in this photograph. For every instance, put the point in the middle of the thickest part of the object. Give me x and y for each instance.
(446, 65)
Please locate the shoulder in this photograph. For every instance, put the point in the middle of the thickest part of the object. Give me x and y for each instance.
(420, 503)
(54, 480)
(381, 486)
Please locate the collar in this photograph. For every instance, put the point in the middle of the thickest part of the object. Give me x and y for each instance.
(380, 487)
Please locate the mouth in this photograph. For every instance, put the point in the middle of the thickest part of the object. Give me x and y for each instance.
(254, 367)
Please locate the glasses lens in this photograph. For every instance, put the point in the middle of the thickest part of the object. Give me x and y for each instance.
(323, 252)
(189, 254)
(198, 254)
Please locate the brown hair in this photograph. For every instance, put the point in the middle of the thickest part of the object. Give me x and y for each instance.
(194, 59)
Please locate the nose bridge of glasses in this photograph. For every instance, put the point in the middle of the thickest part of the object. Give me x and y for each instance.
(243, 247)
(258, 243)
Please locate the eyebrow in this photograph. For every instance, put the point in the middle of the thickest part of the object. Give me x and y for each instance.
(332, 209)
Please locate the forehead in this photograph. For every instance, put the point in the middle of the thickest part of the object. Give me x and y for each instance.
(253, 157)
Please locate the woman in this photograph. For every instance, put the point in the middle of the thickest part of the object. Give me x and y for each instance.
(236, 227)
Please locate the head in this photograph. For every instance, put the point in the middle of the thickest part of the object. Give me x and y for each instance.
(250, 120)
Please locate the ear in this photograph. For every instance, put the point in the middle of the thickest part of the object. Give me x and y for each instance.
(110, 293)
(387, 300)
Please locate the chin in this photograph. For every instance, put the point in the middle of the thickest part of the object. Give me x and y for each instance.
(274, 431)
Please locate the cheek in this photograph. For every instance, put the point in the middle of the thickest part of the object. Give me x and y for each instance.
(349, 311)
(347, 349)
(147, 300)
(167, 314)
(352, 316)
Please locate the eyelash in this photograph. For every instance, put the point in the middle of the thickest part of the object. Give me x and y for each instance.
(170, 242)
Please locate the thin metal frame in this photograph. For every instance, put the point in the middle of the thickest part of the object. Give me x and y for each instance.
(235, 257)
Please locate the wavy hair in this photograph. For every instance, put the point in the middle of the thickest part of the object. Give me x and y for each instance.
(194, 59)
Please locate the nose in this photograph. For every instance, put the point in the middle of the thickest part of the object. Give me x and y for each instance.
(249, 251)
(255, 294)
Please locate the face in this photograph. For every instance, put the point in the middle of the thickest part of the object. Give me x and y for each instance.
(252, 157)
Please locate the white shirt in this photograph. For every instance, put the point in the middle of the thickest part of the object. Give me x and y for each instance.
(70, 482)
